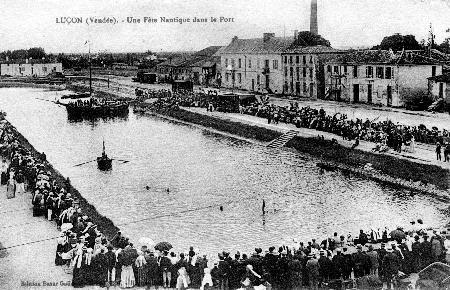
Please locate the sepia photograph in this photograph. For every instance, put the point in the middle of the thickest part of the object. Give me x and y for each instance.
(225, 144)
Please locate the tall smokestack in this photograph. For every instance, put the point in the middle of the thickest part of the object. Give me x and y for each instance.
(313, 21)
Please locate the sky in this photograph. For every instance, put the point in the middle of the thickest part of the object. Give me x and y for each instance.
(346, 23)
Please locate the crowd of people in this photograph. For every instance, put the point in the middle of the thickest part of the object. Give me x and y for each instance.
(394, 135)
(384, 133)
(94, 260)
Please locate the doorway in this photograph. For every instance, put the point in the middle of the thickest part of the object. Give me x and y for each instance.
(355, 93)
(369, 94)
(389, 96)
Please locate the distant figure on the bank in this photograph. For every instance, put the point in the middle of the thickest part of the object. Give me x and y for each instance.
(264, 207)
(438, 151)
(4, 169)
(356, 143)
(11, 188)
(43, 157)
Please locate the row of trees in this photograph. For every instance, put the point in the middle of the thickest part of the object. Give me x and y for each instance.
(398, 42)
(20, 54)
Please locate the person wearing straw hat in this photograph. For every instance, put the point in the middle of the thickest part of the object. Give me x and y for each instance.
(312, 269)
(391, 266)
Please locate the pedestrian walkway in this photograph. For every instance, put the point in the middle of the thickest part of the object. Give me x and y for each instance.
(27, 261)
(423, 153)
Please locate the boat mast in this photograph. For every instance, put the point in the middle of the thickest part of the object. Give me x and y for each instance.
(103, 146)
(90, 72)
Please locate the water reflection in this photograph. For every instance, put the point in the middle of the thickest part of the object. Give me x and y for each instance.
(204, 171)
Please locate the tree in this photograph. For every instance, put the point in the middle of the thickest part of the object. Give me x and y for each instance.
(36, 53)
(19, 54)
(445, 46)
(306, 38)
(398, 42)
(416, 98)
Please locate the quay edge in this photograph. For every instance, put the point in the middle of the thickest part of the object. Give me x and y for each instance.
(105, 225)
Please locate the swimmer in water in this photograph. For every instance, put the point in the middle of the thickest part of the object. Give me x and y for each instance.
(221, 208)
(167, 190)
(147, 187)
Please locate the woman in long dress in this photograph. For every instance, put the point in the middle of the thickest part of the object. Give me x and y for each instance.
(11, 188)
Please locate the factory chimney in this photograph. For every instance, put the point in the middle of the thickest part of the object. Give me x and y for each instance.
(313, 20)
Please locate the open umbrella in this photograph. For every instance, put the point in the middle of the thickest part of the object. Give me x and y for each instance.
(398, 234)
(163, 246)
(66, 227)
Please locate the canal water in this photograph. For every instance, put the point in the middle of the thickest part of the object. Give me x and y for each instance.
(203, 171)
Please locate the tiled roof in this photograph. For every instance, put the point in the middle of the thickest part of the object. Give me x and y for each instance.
(210, 50)
(317, 49)
(257, 45)
(445, 78)
(382, 57)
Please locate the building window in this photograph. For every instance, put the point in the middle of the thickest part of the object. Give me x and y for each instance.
(310, 59)
(433, 71)
(291, 71)
(304, 59)
(369, 72)
(345, 69)
(292, 87)
(239, 78)
(388, 73)
(267, 62)
(355, 71)
(275, 64)
(297, 88)
(329, 68)
(285, 59)
(285, 86)
(304, 72)
(297, 59)
(258, 79)
(304, 87)
(249, 63)
(232, 62)
(257, 63)
(336, 69)
(285, 71)
(226, 78)
(297, 70)
(239, 63)
(380, 72)
(290, 59)
(310, 72)
(226, 62)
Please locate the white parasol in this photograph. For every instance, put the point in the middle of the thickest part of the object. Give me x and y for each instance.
(147, 242)
(66, 227)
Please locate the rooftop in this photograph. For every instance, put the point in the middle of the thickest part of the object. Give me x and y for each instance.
(384, 57)
(271, 44)
(317, 49)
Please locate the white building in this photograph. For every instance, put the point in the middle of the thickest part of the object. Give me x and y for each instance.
(254, 64)
(378, 77)
(29, 69)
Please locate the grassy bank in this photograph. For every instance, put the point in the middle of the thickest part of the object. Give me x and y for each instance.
(105, 225)
(389, 165)
(236, 128)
